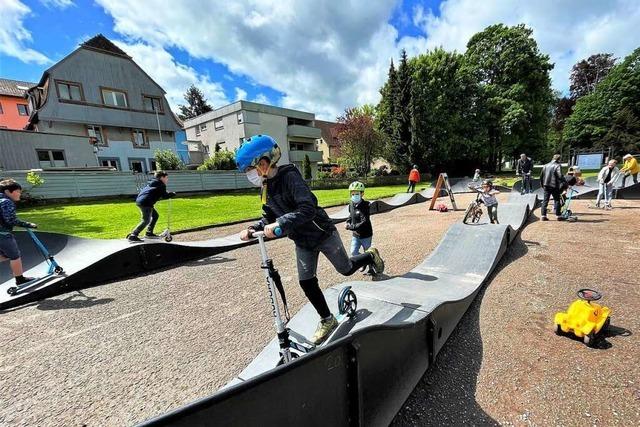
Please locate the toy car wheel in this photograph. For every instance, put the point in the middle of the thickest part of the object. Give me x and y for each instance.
(589, 339)
(557, 329)
(606, 325)
(12, 290)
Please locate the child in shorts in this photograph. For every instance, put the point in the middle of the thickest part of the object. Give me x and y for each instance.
(10, 192)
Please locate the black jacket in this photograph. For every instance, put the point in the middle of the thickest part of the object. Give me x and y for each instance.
(524, 166)
(154, 191)
(291, 203)
(359, 221)
(551, 176)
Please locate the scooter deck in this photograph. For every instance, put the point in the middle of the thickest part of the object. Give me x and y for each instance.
(35, 283)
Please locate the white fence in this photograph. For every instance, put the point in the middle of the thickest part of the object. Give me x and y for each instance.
(76, 184)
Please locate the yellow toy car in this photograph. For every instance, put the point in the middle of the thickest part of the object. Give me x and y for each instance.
(584, 318)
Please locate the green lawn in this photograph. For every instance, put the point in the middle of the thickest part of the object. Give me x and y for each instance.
(113, 219)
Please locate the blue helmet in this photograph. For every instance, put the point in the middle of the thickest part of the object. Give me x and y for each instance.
(255, 148)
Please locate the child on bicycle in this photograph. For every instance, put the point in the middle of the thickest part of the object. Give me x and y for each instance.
(10, 192)
(488, 198)
(289, 204)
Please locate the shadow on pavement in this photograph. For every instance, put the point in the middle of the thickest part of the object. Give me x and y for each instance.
(72, 302)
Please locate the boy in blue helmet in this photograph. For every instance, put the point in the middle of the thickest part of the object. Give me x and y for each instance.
(289, 204)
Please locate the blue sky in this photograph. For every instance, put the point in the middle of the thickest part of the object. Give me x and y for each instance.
(312, 55)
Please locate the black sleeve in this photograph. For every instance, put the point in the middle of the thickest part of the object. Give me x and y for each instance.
(163, 191)
(364, 210)
(305, 205)
(349, 222)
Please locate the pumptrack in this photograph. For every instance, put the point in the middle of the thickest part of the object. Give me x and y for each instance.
(90, 262)
(363, 375)
(589, 190)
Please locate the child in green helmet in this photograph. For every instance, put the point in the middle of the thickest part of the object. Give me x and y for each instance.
(358, 221)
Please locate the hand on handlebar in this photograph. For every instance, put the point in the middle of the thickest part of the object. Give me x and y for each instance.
(247, 234)
(32, 225)
(270, 230)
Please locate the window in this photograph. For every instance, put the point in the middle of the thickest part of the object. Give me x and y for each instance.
(1, 111)
(137, 165)
(69, 90)
(221, 146)
(154, 165)
(203, 127)
(114, 98)
(197, 130)
(152, 103)
(23, 109)
(139, 139)
(296, 146)
(96, 132)
(240, 118)
(51, 158)
(218, 125)
(110, 163)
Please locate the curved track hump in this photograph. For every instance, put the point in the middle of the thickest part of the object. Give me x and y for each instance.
(370, 365)
(88, 262)
(631, 191)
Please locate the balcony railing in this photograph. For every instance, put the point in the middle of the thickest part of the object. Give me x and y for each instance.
(304, 131)
(298, 156)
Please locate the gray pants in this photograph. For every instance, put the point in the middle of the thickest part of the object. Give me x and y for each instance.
(333, 249)
(149, 218)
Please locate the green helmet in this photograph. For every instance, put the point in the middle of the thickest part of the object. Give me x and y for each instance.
(356, 186)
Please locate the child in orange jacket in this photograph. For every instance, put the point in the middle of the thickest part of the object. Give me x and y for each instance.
(414, 178)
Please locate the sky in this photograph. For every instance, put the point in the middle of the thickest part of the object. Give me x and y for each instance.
(319, 56)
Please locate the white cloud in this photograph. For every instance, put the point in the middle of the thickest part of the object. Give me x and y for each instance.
(60, 4)
(261, 98)
(323, 56)
(13, 34)
(240, 94)
(566, 31)
(174, 77)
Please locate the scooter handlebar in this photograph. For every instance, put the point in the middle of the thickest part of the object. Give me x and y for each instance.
(277, 231)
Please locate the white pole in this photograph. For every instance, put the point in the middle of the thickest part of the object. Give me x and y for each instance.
(158, 120)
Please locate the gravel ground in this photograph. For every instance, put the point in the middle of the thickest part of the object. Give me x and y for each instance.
(504, 365)
(120, 353)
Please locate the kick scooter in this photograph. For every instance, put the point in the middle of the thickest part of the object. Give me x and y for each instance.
(54, 268)
(293, 344)
(166, 234)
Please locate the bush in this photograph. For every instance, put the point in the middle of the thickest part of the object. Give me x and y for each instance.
(306, 167)
(221, 161)
(167, 160)
(34, 179)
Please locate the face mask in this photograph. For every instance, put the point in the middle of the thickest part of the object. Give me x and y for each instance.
(254, 177)
(356, 198)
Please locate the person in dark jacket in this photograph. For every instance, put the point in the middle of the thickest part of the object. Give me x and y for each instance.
(155, 190)
(10, 193)
(552, 181)
(289, 204)
(524, 167)
(358, 221)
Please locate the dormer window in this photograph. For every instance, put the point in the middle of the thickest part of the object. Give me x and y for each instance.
(114, 98)
(69, 90)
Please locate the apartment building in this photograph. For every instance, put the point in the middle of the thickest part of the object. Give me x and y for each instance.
(99, 92)
(14, 107)
(226, 127)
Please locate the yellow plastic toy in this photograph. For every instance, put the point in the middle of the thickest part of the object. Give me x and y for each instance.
(584, 318)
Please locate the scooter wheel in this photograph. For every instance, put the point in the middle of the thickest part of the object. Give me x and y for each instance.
(12, 290)
(58, 270)
(168, 238)
(347, 302)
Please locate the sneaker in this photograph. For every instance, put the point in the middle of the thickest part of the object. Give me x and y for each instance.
(325, 327)
(133, 238)
(544, 218)
(151, 235)
(378, 263)
(21, 280)
(561, 218)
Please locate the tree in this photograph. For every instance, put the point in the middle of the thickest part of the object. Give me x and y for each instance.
(167, 160)
(609, 115)
(306, 167)
(361, 141)
(516, 90)
(402, 153)
(586, 74)
(196, 104)
(446, 115)
(561, 111)
(385, 113)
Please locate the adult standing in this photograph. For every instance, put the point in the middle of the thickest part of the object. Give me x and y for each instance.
(414, 178)
(607, 176)
(552, 182)
(524, 166)
(630, 167)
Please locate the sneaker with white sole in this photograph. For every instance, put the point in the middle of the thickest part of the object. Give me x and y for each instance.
(378, 262)
(325, 327)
